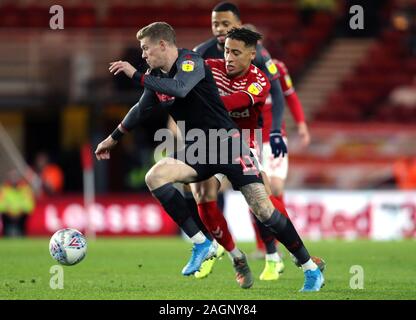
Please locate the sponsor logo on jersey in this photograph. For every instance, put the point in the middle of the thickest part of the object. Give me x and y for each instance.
(188, 66)
(288, 81)
(271, 67)
(164, 97)
(255, 88)
(238, 114)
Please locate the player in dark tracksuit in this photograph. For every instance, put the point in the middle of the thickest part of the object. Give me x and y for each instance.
(181, 82)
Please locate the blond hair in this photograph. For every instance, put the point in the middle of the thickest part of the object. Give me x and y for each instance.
(157, 31)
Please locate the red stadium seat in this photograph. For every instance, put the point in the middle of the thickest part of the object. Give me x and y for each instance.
(11, 16)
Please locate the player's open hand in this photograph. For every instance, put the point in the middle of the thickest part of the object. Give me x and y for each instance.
(304, 135)
(103, 149)
(122, 66)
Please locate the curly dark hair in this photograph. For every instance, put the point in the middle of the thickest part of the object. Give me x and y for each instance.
(250, 38)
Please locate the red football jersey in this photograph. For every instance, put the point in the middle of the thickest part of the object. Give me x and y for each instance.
(291, 98)
(253, 84)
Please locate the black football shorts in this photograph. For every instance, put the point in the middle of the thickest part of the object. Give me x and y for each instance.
(231, 157)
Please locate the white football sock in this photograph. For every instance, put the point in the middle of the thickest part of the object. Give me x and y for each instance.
(198, 238)
(309, 265)
(273, 257)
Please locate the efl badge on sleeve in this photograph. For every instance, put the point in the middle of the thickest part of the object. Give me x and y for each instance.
(255, 88)
(271, 67)
(188, 66)
(288, 81)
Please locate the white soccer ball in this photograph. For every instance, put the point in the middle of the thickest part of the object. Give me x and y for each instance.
(68, 246)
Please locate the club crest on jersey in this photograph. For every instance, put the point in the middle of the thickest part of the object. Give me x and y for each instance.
(255, 88)
(188, 66)
(271, 67)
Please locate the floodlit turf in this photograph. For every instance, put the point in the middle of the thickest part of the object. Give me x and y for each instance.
(150, 268)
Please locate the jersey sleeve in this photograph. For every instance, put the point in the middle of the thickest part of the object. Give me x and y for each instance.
(289, 92)
(190, 71)
(147, 101)
(284, 79)
(214, 63)
(257, 88)
(265, 63)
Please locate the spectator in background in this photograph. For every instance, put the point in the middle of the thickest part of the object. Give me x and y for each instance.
(308, 8)
(17, 202)
(404, 20)
(404, 170)
(404, 95)
(50, 173)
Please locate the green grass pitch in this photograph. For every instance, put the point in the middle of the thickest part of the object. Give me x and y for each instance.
(150, 268)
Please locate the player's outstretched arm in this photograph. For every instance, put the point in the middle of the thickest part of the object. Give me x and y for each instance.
(277, 143)
(147, 101)
(265, 63)
(122, 66)
(104, 147)
(278, 104)
(189, 73)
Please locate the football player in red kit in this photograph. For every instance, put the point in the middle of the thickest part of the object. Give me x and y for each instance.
(243, 89)
(276, 169)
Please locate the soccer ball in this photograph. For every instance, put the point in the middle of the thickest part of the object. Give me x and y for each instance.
(68, 246)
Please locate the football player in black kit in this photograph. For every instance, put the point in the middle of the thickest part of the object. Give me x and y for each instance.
(180, 81)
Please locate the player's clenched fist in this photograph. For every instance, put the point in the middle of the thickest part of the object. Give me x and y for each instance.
(122, 66)
(103, 149)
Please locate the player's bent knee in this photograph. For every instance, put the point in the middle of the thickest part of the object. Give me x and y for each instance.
(155, 177)
(263, 213)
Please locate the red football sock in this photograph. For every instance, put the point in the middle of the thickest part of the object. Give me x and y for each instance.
(215, 222)
(279, 205)
(280, 198)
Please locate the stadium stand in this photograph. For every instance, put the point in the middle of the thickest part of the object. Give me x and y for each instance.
(97, 31)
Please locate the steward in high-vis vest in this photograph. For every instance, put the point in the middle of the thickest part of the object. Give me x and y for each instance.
(17, 202)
